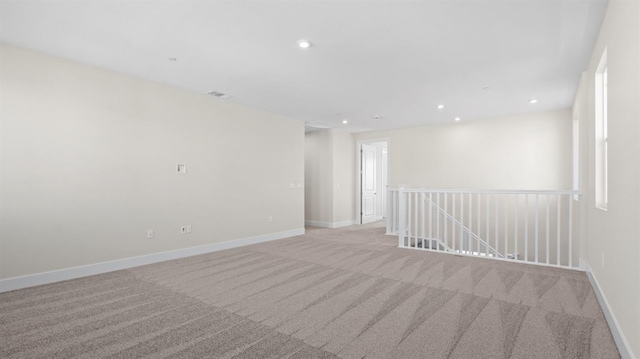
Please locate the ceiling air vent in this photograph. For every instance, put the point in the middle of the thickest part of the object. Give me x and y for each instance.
(218, 94)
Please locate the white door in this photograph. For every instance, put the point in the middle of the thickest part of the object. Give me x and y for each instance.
(368, 183)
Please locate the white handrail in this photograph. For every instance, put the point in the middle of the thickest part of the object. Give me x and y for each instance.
(491, 191)
(488, 223)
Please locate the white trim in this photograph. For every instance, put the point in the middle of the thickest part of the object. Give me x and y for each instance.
(98, 268)
(600, 138)
(486, 191)
(359, 143)
(618, 336)
(376, 218)
(330, 224)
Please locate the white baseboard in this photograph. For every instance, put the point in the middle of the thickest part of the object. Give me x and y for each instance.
(618, 336)
(376, 218)
(329, 224)
(343, 224)
(98, 268)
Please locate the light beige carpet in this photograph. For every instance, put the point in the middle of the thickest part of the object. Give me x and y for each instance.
(347, 293)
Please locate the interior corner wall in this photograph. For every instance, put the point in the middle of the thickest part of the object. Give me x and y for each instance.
(318, 178)
(613, 236)
(580, 113)
(329, 178)
(343, 177)
(88, 164)
(531, 151)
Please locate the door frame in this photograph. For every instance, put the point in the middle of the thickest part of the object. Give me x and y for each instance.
(358, 171)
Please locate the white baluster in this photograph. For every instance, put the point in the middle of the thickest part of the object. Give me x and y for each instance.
(478, 220)
(462, 222)
(438, 220)
(495, 254)
(547, 224)
(446, 220)
(488, 238)
(526, 227)
(570, 231)
(558, 226)
(431, 220)
(536, 227)
(453, 223)
(506, 226)
(469, 241)
(515, 242)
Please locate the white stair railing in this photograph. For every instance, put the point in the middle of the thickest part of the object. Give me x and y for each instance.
(524, 225)
(468, 236)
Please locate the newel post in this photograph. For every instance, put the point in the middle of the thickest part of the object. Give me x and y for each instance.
(389, 209)
(402, 215)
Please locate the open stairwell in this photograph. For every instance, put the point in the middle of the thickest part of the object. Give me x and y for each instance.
(515, 225)
(470, 242)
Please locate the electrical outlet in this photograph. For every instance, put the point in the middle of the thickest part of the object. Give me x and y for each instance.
(292, 185)
(149, 233)
(270, 219)
(183, 229)
(188, 228)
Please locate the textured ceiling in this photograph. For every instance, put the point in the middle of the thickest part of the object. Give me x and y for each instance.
(394, 59)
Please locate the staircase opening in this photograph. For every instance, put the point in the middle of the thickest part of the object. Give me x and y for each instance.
(523, 226)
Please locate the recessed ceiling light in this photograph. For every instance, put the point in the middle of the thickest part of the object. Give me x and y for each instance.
(532, 101)
(486, 88)
(304, 44)
(344, 122)
(440, 107)
(173, 59)
(457, 119)
(376, 117)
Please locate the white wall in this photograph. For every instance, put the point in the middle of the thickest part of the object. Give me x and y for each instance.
(88, 162)
(329, 178)
(614, 235)
(318, 177)
(343, 176)
(530, 151)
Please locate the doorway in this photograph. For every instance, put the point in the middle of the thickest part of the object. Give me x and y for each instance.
(372, 174)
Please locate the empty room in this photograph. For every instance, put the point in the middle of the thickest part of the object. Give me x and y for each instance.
(320, 179)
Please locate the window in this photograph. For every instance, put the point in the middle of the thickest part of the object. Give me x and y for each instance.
(602, 133)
